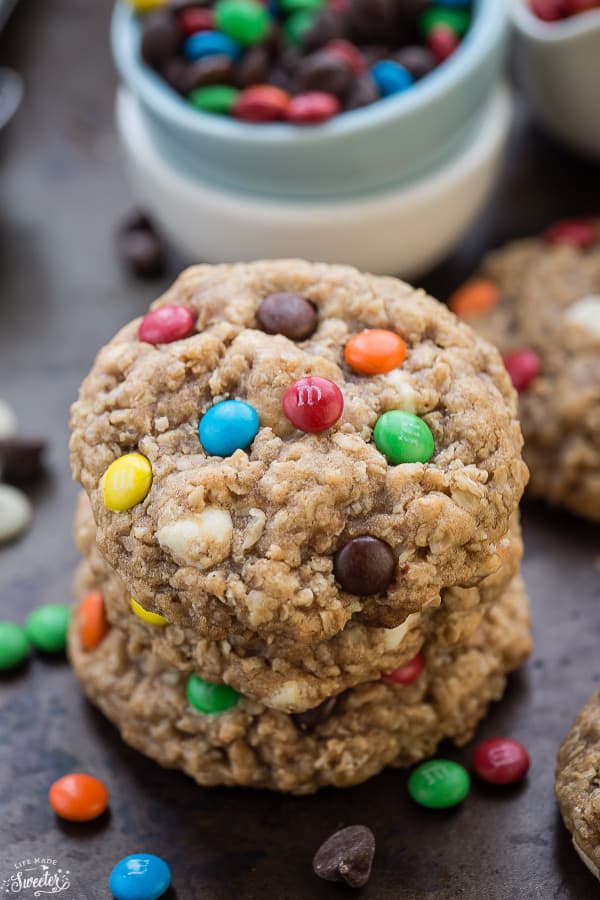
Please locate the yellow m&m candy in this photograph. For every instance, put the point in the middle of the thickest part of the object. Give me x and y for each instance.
(126, 481)
(145, 615)
(141, 7)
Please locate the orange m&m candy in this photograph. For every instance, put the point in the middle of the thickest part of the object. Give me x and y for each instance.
(78, 797)
(375, 351)
(92, 620)
(474, 297)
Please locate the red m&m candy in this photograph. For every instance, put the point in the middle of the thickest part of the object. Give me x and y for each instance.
(581, 233)
(501, 761)
(522, 366)
(312, 108)
(195, 19)
(313, 403)
(262, 103)
(442, 41)
(406, 674)
(166, 324)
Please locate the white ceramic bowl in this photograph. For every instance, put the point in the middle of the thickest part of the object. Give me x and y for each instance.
(404, 231)
(558, 69)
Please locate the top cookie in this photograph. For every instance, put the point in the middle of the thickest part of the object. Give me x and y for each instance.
(298, 529)
(539, 301)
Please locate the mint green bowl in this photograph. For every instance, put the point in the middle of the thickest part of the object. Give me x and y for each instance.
(389, 143)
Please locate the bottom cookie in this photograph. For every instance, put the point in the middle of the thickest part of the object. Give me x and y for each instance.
(343, 742)
(578, 783)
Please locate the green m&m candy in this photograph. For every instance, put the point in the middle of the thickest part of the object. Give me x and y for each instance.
(297, 25)
(458, 20)
(210, 698)
(245, 21)
(215, 98)
(47, 627)
(439, 784)
(14, 646)
(403, 437)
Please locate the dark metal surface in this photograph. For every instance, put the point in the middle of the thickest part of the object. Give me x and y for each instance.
(62, 294)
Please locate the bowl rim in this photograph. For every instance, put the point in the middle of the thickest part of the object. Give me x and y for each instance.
(487, 28)
(560, 32)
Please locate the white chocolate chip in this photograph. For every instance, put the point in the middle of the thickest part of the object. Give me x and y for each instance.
(393, 637)
(586, 313)
(285, 697)
(15, 512)
(399, 381)
(8, 420)
(199, 540)
(254, 528)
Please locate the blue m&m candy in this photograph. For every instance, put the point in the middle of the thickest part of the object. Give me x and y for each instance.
(390, 77)
(210, 43)
(228, 426)
(141, 876)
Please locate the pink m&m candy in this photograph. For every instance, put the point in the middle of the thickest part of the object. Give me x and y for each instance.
(406, 674)
(522, 366)
(166, 324)
(501, 761)
(313, 403)
(581, 233)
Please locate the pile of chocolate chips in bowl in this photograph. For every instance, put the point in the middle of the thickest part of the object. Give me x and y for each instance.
(296, 61)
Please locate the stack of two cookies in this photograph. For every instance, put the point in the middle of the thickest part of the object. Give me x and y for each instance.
(300, 522)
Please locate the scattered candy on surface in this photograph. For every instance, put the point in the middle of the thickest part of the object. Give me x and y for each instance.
(92, 621)
(126, 482)
(209, 698)
(228, 426)
(141, 876)
(15, 512)
(140, 246)
(586, 313)
(78, 797)
(375, 351)
(299, 61)
(406, 674)
(501, 761)
(151, 618)
(347, 856)
(582, 233)
(166, 324)
(523, 366)
(313, 404)
(289, 314)
(553, 10)
(474, 297)
(439, 784)
(309, 719)
(14, 646)
(8, 420)
(47, 626)
(403, 437)
(365, 565)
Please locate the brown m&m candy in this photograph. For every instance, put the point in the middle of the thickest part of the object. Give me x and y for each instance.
(365, 565)
(308, 720)
(289, 314)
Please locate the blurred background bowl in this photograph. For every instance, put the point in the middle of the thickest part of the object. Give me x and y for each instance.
(389, 143)
(557, 66)
(403, 231)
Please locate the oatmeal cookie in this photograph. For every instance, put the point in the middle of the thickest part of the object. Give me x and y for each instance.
(343, 742)
(542, 309)
(578, 783)
(216, 489)
(284, 675)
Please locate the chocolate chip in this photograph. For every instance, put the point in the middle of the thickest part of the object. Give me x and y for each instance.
(326, 72)
(346, 856)
(309, 720)
(289, 314)
(419, 61)
(214, 69)
(362, 92)
(21, 460)
(327, 26)
(365, 565)
(253, 67)
(160, 37)
(141, 248)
